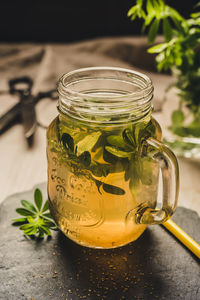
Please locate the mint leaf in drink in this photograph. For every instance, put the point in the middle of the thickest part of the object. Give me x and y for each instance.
(129, 137)
(100, 170)
(85, 158)
(88, 142)
(68, 142)
(114, 190)
(119, 153)
(118, 142)
(109, 188)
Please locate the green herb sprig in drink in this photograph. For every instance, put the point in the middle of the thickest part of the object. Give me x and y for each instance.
(98, 173)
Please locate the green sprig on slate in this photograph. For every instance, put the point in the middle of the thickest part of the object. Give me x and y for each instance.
(37, 220)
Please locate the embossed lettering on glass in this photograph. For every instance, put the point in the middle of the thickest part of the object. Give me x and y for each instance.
(105, 155)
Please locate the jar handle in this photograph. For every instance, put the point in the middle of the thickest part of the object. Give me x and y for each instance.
(170, 179)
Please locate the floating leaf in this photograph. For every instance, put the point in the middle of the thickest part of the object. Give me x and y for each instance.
(118, 153)
(108, 157)
(85, 158)
(98, 154)
(100, 170)
(108, 188)
(98, 184)
(118, 141)
(111, 189)
(88, 142)
(68, 142)
(128, 137)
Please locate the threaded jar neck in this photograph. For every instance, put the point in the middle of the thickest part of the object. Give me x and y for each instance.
(105, 95)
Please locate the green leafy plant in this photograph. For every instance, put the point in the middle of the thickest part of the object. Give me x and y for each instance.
(180, 52)
(37, 220)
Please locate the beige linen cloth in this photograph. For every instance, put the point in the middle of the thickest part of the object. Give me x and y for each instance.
(46, 63)
(22, 167)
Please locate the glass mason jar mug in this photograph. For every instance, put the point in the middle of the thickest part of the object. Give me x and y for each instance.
(105, 156)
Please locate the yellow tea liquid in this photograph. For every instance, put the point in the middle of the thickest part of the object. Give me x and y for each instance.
(97, 179)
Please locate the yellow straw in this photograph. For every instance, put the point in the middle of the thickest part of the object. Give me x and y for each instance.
(183, 237)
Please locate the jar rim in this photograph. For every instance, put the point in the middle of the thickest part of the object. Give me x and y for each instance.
(105, 93)
(65, 90)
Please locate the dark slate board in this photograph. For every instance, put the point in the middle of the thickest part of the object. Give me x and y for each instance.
(156, 266)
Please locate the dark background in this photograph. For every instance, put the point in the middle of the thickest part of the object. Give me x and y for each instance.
(64, 20)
